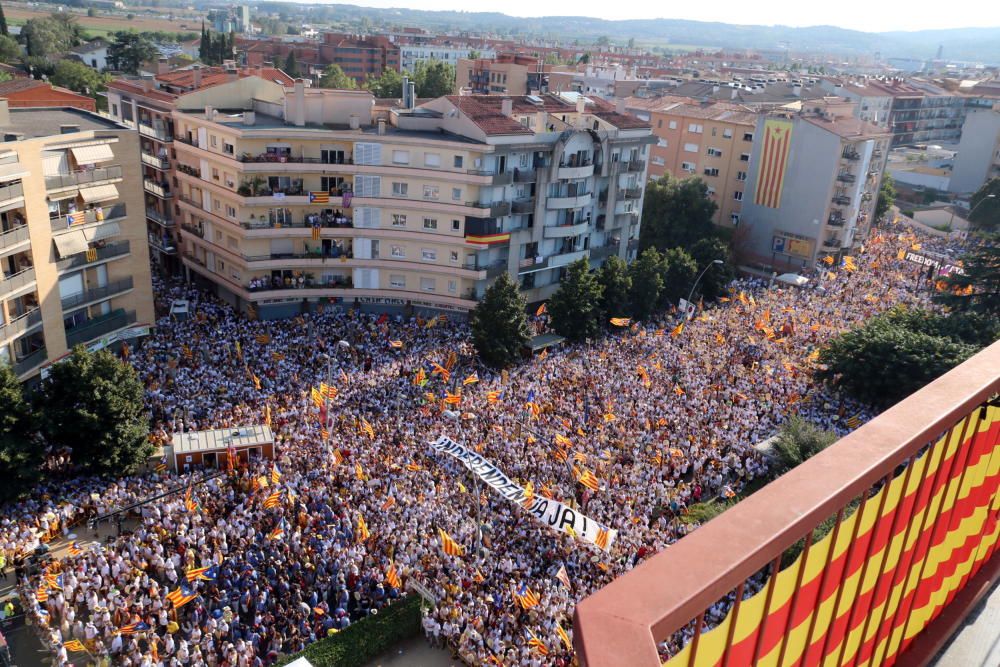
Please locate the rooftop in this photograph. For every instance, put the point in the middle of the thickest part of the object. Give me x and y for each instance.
(178, 82)
(486, 111)
(847, 127)
(45, 122)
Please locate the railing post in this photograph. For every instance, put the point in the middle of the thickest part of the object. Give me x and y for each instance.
(772, 582)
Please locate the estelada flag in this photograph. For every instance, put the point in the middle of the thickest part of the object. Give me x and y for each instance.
(542, 309)
(319, 197)
(392, 576)
(450, 546)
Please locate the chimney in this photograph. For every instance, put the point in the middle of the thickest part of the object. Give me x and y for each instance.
(299, 111)
(162, 66)
(620, 106)
(209, 113)
(68, 129)
(797, 91)
(507, 107)
(196, 76)
(355, 122)
(581, 104)
(147, 81)
(406, 92)
(249, 118)
(381, 126)
(413, 95)
(4, 112)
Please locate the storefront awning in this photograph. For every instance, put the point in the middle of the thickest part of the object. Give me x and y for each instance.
(72, 243)
(102, 232)
(93, 154)
(99, 193)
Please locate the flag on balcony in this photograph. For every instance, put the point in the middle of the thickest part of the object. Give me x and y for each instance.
(76, 218)
(91, 254)
(319, 197)
(316, 233)
(773, 162)
(347, 199)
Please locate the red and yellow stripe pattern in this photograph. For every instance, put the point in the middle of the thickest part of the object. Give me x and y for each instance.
(863, 592)
(773, 162)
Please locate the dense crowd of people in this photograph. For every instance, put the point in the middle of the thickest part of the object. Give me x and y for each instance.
(664, 416)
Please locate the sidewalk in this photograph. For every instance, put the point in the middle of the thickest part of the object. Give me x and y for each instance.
(977, 642)
(415, 653)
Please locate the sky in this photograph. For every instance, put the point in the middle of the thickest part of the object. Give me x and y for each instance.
(867, 15)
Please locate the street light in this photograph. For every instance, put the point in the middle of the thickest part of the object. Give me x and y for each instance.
(971, 211)
(698, 279)
(456, 416)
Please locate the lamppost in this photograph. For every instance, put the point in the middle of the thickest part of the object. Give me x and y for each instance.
(456, 416)
(971, 211)
(341, 345)
(698, 279)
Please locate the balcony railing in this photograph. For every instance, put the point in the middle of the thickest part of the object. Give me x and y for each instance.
(94, 255)
(30, 361)
(21, 323)
(842, 200)
(83, 177)
(193, 229)
(12, 191)
(832, 243)
(600, 252)
(99, 326)
(308, 283)
(523, 206)
(504, 178)
(158, 189)
(635, 166)
(525, 176)
(846, 178)
(156, 242)
(314, 254)
(159, 218)
(851, 154)
(532, 264)
(894, 536)
(281, 159)
(17, 280)
(324, 222)
(630, 193)
(836, 220)
(100, 214)
(97, 293)
(160, 134)
(13, 236)
(162, 164)
(498, 209)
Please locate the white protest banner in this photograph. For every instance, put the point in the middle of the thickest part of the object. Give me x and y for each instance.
(550, 512)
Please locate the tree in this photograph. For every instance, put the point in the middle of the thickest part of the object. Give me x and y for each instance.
(616, 285)
(676, 214)
(584, 59)
(91, 13)
(798, 441)
(603, 40)
(291, 67)
(3, 23)
(679, 271)
(704, 252)
(333, 77)
(898, 352)
(93, 405)
(389, 85)
(576, 307)
(434, 78)
(978, 290)
(129, 50)
(21, 456)
(204, 46)
(986, 208)
(886, 197)
(50, 35)
(646, 274)
(4, 76)
(10, 50)
(474, 55)
(78, 77)
(499, 327)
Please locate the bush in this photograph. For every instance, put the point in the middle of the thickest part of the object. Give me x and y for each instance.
(366, 639)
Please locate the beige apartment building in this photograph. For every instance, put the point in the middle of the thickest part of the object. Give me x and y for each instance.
(711, 141)
(506, 74)
(298, 200)
(73, 242)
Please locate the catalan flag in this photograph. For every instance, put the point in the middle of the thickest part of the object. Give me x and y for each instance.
(567, 642)
(452, 399)
(189, 504)
(537, 645)
(389, 502)
(529, 494)
(367, 428)
(41, 595)
(420, 378)
(438, 369)
(413, 467)
(180, 596)
(319, 197)
(161, 465)
(133, 628)
(603, 538)
(278, 356)
(588, 479)
(854, 421)
(563, 577)
(773, 162)
(263, 339)
(563, 441)
(329, 391)
(267, 414)
(338, 457)
(275, 474)
(678, 390)
(472, 379)
(677, 330)
(392, 576)
(526, 597)
(363, 532)
(359, 471)
(273, 500)
(74, 549)
(53, 580)
(75, 646)
(317, 397)
(580, 457)
(276, 534)
(621, 321)
(396, 344)
(256, 381)
(450, 546)
(492, 396)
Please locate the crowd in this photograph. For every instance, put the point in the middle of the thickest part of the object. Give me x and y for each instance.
(663, 417)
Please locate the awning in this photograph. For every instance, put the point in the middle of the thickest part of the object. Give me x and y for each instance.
(72, 243)
(102, 232)
(99, 193)
(9, 172)
(92, 154)
(59, 196)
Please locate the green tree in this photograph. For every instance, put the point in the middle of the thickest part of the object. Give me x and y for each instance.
(4, 76)
(978, 290)
(886, 197)
(21, 456)
(39, 66)
(91, 12)
(129, 50)
(499, 327)
(205, 46)
(575, 308)
(646, 274)
(552, 58)
(704, 252)
(603, 40)
(679, 271)
(333, 77)
(676, 214)
(93, 404)
(797, 441)
(434, 78)
(616, 286)
(389, 85)
(585, 58)
(896, 353)
(78, 77)
(51, 35)
(474, 55)
(10, 50)
(985, 205)
(3, 23)
(291, 67)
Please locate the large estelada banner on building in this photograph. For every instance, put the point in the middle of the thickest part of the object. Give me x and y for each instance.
(773, 163)
(552, 513)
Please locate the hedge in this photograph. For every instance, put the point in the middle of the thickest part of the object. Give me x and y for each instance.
(362, 641)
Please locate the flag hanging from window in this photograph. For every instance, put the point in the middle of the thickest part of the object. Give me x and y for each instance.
(773, 162)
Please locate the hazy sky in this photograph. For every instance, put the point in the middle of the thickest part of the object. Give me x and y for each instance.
(868, 15)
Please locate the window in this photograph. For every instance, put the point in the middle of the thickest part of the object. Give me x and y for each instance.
(659, 124)
(114, 110)
(230, 211)
(453, 256)
(734, 218)
(714, 130)
(431, 191)
(215, 174)
(662, 143)
(711, 171)
(396, 280)
(400, 189)
(738, 195)
(456, 194)
(452, 286)
(691, 148)
(741, 176)
(727, 133)
(696, 128)
(401, 157)
(658, 161)
(710, 191)
(227, 147)
(331, 184)
(673, 125)
(428, 254)
(522, 160)
(398, 220)
(748, 136)
(428, 284)
(688, 167)
(214, 141)
(745, 157)
(714, 152)
(459, 161)
(456, 225)
(397, 251)
(430, 223)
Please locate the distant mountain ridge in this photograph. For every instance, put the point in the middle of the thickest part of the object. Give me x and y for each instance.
(968, 44)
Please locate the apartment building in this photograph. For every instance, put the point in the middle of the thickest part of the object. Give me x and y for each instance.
(923, 112)
(813, 181)
(361, 57)
(978, 157)
(711, 140)
(507, 74)
(145, 103)
(75, 266)
(872, 103)
(410, 55)
(304, 202)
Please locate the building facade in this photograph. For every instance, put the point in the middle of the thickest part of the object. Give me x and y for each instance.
(411, 54)
(73, 241)
(813, 182)
(305, 202)
(507, 74)
(978, 158)
(872, 103)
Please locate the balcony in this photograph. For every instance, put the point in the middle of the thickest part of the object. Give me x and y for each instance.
(525, 176)
(94, 256)
(13, 237)
(562, 258)
(163, 164)
(160, 244)
(155, 133)
(9, 193)
(96, 293)
(267, 285)
(159, 218)
(63, 223)
(83, 177)
(564, 231)
(523, 206)
(492, 270)
(571, 201)
(569, 172)
(836, 220)
(600, 252)
(630, 193)
(851, 154)
(189, 170)
(866, 197)
(505, 178)
(844, 177)
(194, 230)
(18, 325)
(832, 244)
(532, 264)
(27, 363)
(283, 159)
(17, 281)
(842, 200)
(158, 189)
(99, 326)
(908, 500)
(497, 209)
(634, 166)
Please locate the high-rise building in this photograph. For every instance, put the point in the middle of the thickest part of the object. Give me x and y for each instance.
(75, 267)
(306, 201)
(813, 182)
(978, 157)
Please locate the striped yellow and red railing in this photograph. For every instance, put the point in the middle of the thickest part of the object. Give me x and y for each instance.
(910, 505)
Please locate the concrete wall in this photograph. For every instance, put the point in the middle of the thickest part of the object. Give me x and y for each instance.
(977, 151)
